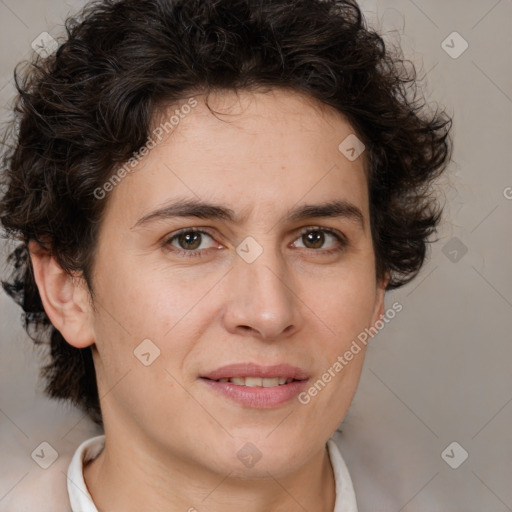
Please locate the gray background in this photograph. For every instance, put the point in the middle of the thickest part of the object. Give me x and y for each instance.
(441, 370)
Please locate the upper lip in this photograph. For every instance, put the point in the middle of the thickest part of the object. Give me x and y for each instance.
(254, 370)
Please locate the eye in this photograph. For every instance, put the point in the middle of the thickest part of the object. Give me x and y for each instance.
(189, 242)
(315, 238)
(192, 242)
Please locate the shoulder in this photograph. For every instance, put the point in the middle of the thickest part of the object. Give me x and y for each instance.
(51, 489)
(34, 488)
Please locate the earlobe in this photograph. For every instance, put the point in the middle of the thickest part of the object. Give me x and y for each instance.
(64, 297)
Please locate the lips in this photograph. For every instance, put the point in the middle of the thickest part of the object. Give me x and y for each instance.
(252, 375)
(253, 382)
(257, 387)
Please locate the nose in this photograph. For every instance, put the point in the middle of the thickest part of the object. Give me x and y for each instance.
(260, 298)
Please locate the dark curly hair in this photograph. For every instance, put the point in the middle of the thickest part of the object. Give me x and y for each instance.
(85, 110)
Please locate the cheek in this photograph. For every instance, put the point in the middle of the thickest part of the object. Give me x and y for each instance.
(137, 303)
(141, 300)
(346, 304)
(346, 308)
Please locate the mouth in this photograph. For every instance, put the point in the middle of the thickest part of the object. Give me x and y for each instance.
(253, 375)
(257, 386)
(255, 382)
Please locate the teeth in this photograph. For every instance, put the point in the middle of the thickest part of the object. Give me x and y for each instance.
(253, 382)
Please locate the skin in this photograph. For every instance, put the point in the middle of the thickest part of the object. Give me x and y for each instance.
(263, 154)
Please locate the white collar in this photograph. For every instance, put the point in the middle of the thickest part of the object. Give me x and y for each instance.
(81, 500)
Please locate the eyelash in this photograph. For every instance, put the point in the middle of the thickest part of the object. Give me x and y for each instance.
(341, 239)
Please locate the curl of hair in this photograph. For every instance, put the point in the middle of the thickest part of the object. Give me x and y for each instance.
(83, 111)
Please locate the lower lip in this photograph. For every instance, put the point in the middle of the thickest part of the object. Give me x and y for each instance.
(258, 397)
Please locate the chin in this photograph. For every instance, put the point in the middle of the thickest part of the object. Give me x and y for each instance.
(266, 467)
(257, 459)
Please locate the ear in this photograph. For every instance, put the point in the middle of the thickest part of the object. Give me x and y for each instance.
(65, 298)
(380, 293)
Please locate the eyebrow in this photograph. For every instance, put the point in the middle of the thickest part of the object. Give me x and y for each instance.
(204, 210)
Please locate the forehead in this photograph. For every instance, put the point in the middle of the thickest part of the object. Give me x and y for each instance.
(256, 151)
(262, 120)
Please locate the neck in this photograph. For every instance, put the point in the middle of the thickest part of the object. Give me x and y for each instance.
(142, 479)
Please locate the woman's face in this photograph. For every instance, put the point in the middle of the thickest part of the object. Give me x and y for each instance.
(264, 282)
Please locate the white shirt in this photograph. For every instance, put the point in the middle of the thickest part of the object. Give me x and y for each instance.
(81, 500)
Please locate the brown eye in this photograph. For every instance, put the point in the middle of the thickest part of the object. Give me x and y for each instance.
(190, 241)
(315, 239)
